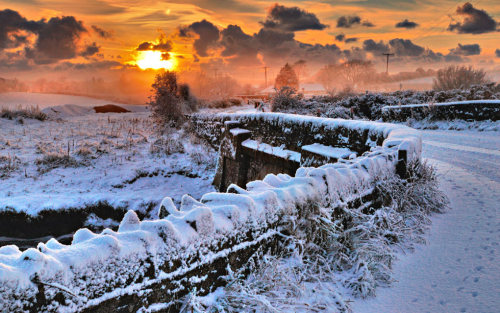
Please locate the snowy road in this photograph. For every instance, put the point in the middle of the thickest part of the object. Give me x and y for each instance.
(459, 269)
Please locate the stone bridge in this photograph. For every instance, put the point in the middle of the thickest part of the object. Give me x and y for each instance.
(154, 263)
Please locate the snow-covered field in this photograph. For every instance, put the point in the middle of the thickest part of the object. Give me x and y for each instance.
(459, 269)
(45, 100)
(77, 160)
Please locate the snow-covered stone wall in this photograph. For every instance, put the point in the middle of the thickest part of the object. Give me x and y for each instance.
(253, 145)
(471, 110)
(196, 245)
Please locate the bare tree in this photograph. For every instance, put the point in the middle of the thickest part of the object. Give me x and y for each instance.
(458, 77)
(348, 75)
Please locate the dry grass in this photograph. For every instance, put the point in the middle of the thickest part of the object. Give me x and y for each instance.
(52, 161)
(31, 112)
(8, 165)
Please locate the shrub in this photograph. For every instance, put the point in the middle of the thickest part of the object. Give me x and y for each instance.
(31, 112)
(8, 164)
(170, 101)
(458, 77)
(224, 103)
(166, 146)
(284, 98)
(52, 161)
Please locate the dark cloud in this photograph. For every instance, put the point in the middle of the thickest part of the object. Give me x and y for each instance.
(474, 21)
(370, 45)
(101, 32)
(343, 38)
(497, 53)
(165, 56)
(348, 21)
(367, 24)
(273, 45)
(12, 22)
(353, 20)
(405, 47)
(90, 50)
(57, 40)
(163, 45)
(144, 46)
(291, 19)
(406, 24)
(406, 51)
(208, 36)
(473, 49)
(237, 44)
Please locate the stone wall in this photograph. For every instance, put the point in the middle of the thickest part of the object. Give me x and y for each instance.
(253, 145)
(194, 246)
(473, 110)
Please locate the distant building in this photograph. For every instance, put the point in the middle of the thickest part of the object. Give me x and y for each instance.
(306, 89)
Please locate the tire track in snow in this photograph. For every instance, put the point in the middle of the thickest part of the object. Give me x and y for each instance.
(459, 269)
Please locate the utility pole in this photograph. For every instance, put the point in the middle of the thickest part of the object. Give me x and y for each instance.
(265, 75)
(387, 66)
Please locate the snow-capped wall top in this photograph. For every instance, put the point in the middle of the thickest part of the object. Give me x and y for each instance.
(474, 102)
(295, 131)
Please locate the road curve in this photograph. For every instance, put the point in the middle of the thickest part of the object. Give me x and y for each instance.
(459, 269)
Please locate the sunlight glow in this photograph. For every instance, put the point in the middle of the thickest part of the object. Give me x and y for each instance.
(152, 59)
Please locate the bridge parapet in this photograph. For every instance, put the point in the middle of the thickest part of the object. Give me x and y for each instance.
(155, 262)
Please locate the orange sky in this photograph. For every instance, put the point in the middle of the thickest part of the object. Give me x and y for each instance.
(131, 22)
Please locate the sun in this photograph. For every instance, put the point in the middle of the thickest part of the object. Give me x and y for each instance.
(153, 59)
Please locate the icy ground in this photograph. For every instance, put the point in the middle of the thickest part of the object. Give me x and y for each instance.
(83, 159)
(459, 269)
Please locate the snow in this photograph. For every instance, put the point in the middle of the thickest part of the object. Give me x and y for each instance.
(277, 151)
(14, 100)
(429, 105)
(93, 260)
(114, 163)
(328, 151)
(455, 125)
(459, 269)
(238, 131)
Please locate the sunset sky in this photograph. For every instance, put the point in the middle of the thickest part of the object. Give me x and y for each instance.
(233, 35)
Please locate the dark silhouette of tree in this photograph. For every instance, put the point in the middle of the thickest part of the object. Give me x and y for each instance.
(170, 101)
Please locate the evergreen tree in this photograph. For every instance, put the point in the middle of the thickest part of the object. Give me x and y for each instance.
(287, 78)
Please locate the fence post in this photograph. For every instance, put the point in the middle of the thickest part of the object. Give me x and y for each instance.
(401, 165)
